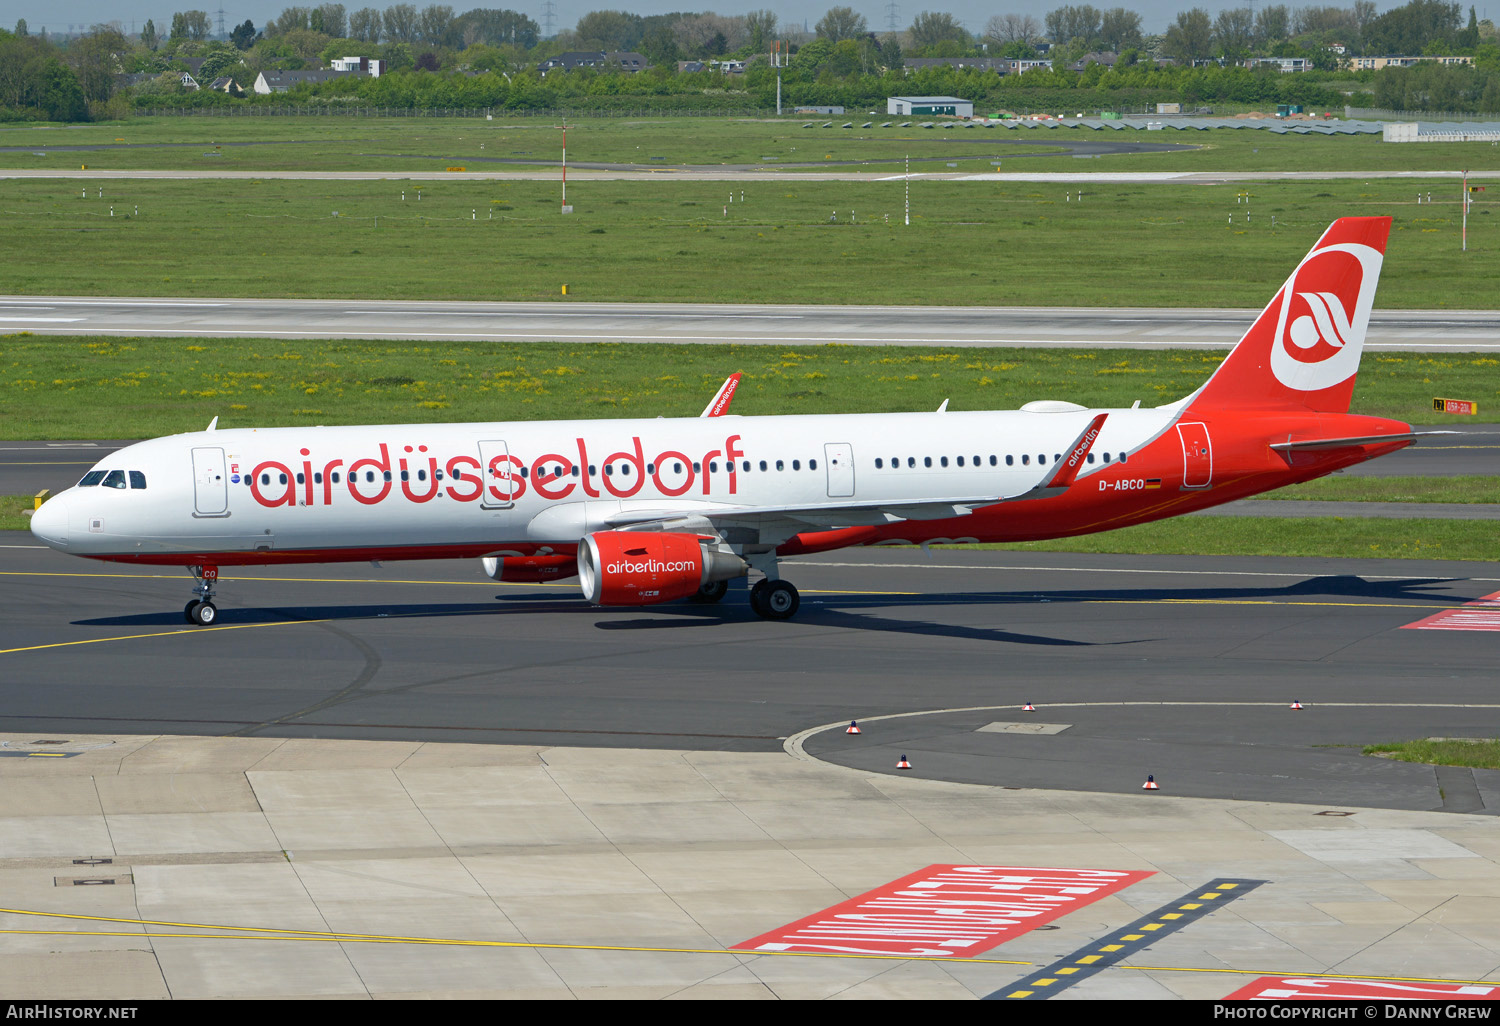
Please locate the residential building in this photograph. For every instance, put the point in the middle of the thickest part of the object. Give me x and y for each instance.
(280, 81)
(369, 65)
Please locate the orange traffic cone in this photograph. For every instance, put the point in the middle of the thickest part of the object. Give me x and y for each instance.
(1028, 707)
(853, 727)
(903, 764)
(1150, 784)
(1296, 704)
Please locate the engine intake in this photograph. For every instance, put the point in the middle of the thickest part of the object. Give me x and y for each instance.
(640, 568)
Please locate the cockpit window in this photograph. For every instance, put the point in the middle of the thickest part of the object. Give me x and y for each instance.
(114, 479)
(91, 479)
(137, 479)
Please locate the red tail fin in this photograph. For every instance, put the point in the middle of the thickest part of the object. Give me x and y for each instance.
(1304, 349)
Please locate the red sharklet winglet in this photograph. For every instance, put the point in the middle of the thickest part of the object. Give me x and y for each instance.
(1077, 455)
(719, 405)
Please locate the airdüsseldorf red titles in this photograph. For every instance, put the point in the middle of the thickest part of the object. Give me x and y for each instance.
(421, 475)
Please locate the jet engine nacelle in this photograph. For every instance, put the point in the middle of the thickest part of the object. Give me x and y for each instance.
(530, 569)
(639, 568)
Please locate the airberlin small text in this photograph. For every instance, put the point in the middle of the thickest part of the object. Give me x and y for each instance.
(50, 1010)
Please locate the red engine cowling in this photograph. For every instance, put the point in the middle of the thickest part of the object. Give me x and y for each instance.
(640, 568)
(531, 569)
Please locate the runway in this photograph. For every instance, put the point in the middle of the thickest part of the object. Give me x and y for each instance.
(1182, 667)
(1145, 328)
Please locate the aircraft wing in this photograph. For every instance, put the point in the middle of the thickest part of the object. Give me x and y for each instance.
(708, 517)
(825, 516)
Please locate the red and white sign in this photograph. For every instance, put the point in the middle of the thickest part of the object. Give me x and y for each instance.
(1303, 988)
(1483, 614)
(946, 911)
(1459, 406)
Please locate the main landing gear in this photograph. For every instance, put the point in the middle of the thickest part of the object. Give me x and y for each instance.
(772, 598)
(202, 611)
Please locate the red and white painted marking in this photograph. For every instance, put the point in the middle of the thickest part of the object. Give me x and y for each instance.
(1302, 988)
(946, 911)
(1483, 614)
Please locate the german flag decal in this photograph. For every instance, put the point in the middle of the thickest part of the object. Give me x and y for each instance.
(1153, 482)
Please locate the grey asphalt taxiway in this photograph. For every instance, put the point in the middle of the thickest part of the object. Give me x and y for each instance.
(1179, 666)
(411, 781)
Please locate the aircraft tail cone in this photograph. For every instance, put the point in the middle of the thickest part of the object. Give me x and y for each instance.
(903, 764)
(1150, 784)
(853, 727)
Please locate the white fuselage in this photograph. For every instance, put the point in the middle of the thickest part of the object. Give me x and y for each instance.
(458, 489)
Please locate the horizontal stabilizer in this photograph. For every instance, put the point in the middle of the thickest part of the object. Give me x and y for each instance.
(1341, 443)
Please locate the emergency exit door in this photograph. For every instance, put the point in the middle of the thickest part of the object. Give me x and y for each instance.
(840, 459)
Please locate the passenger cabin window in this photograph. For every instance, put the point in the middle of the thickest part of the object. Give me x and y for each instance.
(812, 464)
(137, 479)
(91, 479)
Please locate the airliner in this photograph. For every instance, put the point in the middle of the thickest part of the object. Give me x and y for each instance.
(650, 511)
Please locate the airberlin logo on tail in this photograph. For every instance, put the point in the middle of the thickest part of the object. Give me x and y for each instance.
(1325, 307)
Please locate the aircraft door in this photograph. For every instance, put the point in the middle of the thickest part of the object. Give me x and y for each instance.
(1197, 455)
(840, 459)
(496, 468)
(210, 489)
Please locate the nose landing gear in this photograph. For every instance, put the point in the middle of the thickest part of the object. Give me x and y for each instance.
(202, 610)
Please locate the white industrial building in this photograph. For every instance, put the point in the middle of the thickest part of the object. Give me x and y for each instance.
(910, 106)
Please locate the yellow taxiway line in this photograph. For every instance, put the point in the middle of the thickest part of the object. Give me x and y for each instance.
(331, 937)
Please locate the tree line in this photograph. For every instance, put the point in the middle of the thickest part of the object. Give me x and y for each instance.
(488, 57)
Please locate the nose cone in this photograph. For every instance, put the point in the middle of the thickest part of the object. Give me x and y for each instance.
(50, 523)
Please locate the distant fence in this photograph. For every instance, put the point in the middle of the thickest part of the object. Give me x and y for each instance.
(1375, 114)
(262, 110)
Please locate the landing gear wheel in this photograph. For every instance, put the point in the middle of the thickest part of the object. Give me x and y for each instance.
(204, 613)
(775, 600)
(711, 592)
(188, 610)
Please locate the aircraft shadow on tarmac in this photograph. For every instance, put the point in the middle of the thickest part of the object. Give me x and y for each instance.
(852, 612)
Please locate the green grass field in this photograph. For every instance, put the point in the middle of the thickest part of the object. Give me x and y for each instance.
(1478, 753)
(432, 144)
(101, 387)
(1463, 489)
(973, 243)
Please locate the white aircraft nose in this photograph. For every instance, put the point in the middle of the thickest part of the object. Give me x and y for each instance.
(50, 523)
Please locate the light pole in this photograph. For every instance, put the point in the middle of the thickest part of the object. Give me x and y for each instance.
(565, 208)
